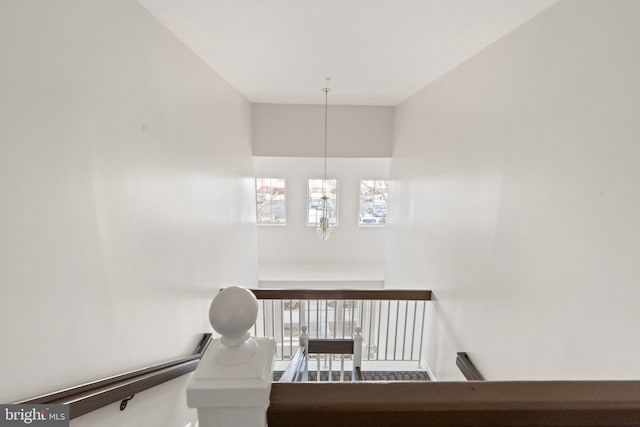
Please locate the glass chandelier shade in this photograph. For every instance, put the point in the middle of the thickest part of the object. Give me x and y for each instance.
(324, 225)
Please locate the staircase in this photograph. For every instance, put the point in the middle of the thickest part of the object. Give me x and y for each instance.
(367, 376)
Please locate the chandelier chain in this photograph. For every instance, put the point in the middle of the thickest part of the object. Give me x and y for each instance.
(326, 108)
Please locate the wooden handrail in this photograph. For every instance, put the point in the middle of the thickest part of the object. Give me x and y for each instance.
(297, 368)
(468, 369)
(343, 294)
(520, 403)
(326, 346)
(90, 396)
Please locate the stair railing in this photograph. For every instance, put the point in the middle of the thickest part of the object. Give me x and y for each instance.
(468, 369)
(298, 368)
(405, 404)
(87, 397)
(392, 322)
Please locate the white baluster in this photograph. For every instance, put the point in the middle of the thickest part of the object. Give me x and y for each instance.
(232, 384)
(357, 348)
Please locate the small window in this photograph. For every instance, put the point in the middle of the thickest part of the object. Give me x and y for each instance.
(314, 200)
(373, 202)
(271, 206)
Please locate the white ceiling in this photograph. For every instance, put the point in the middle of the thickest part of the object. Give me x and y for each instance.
(377, 52)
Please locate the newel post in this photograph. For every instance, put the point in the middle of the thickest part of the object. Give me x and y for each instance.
(232, 383)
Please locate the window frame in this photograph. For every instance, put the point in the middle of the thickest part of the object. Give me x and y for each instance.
(286, 213)
(360, 199)
(309, 201)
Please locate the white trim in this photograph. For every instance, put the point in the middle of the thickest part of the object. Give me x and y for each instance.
(429, 372)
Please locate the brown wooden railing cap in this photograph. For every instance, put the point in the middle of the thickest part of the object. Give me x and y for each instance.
(468, 369)
(524, 403)
(343, 294)
(326, 346)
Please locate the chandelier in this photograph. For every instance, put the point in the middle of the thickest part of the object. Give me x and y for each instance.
(323, 224)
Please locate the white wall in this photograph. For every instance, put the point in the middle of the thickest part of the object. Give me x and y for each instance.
(126, 199)
(298, 130)
(285, 248)
(515, 198)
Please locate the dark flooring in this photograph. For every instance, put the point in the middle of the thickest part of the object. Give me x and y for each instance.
(367, 376)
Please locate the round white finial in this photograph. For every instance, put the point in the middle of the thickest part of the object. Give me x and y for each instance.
(304, 329)
(232, 313)
(358, 329)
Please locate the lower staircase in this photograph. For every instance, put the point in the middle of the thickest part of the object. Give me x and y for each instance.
(366, 376)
